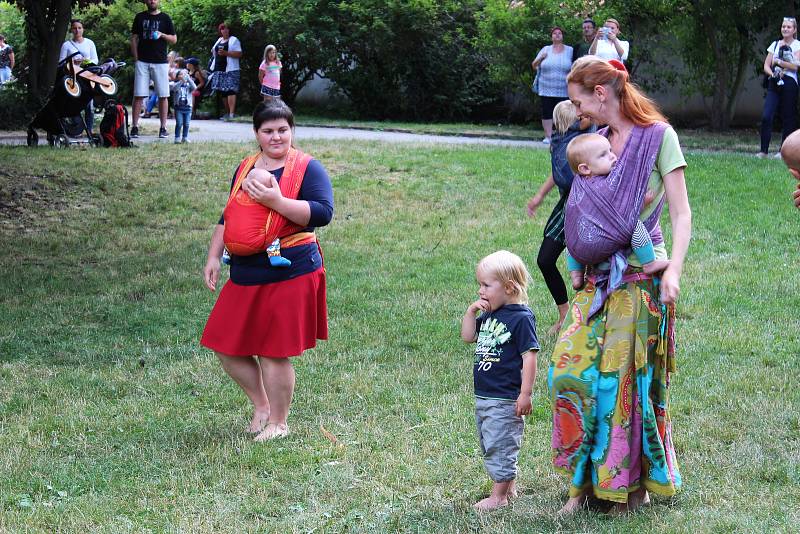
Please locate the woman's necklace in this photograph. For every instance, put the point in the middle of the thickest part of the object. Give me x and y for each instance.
(279, 163)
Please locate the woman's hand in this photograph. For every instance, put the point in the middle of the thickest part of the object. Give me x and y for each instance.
(670, 286)
(267, 195)
(211, 273)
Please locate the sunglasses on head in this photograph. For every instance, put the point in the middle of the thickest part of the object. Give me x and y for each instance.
(789, 19)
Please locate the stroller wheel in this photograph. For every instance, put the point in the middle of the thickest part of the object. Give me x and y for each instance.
(97, 140)
(108, 90)
(72, 87)
(33, 137)
(60, 141)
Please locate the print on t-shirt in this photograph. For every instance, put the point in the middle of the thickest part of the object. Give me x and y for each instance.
(492, 334)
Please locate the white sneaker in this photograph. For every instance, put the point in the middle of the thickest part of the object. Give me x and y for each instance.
(546, 140)
(177, 141)
(777, 155)
(185, 140)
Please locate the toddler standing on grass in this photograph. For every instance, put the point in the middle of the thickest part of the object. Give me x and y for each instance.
(182, 89)
(505, 367)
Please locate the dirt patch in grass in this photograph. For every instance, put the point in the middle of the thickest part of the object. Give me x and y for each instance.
(30, 201)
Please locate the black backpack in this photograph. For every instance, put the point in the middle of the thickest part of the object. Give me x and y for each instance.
(114, 126)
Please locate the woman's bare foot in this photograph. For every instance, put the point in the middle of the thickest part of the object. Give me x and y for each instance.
(490, 503)
(573, 504)
(259, 420)
(273, 431)
(638, 498)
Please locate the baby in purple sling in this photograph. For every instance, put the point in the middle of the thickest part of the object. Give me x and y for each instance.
(602, 214)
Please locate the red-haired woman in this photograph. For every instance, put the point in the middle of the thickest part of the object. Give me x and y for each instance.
(226, 52)
(610, 370)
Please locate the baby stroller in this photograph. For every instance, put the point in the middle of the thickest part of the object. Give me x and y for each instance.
(75, 86)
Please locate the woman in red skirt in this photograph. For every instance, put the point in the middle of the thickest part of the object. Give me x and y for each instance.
(270, 310)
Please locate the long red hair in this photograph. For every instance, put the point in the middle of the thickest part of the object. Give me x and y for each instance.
(589, 72)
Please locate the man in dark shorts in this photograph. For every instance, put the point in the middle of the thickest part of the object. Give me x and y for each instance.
(152, 30)
(581, 49)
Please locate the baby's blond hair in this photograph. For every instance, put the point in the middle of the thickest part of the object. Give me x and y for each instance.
(564, 116)
(578, 148)
(508, 268)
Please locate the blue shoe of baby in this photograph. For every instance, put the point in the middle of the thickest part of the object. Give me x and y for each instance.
(279, 261)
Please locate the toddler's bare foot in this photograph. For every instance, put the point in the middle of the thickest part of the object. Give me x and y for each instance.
(259, 420)
(490, 503)
(655, 266)
(573, 504)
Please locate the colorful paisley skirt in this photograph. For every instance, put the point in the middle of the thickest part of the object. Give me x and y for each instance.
(609, 388)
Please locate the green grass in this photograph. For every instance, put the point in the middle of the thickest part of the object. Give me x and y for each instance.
(114, 419)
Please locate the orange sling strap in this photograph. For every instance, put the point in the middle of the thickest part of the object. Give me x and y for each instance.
(277, 226)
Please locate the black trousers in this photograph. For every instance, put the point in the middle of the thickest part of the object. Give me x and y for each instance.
(549, 252)
(782, 99)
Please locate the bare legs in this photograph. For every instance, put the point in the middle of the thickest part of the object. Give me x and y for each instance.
(247, 373)
(231, 105)
(137, 108)
(562, 314)
(269, 384)
(547, 124)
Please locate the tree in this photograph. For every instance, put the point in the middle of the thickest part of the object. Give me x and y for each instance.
(717, 40)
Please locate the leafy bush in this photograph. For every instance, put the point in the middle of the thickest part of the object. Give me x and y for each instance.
(14, 110)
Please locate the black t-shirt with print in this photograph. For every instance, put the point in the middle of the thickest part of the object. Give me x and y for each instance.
(152, 50)
(504, 335)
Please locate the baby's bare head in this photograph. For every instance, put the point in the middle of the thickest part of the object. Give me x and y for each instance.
(790, 151)
(260, 175)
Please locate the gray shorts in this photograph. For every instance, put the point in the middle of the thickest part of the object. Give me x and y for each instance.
(145, 72)
(500, 434)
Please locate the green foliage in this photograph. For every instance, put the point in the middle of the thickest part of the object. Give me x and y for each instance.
(12, 26)
(14, 111)
(721, 42)
(415, 59)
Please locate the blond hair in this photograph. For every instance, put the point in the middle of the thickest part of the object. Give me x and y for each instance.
(564, 116)
(267, 51)
(615, 21)
(507, 268)
(578, 149)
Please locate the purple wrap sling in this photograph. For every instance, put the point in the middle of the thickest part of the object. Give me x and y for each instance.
(601, 212)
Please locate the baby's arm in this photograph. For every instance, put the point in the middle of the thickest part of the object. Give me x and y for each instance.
(642, 246)
(576, 271)
(468, 323)
(523, 404)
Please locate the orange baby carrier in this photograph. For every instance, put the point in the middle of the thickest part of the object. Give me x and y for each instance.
(249, 226)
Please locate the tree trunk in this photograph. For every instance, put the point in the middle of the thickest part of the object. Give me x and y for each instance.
(45, 27)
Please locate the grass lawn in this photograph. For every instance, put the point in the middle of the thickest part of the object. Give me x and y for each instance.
(114, 419)
(741, 140)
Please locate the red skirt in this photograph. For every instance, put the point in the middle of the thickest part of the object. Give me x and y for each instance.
(271, 320)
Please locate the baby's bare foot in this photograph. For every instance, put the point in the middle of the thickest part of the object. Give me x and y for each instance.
(490, 503)
(655, 266)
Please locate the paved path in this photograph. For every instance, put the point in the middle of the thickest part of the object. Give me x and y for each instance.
(215, 130)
